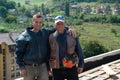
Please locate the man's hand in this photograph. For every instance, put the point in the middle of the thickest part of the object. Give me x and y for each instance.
(23, 73)
(79, 70)
(72, 32)
(50, 73)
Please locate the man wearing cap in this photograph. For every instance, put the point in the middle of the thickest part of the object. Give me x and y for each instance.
(66, 59)
(32, 50)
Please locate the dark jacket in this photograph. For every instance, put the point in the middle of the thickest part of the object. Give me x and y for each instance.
(32, 48)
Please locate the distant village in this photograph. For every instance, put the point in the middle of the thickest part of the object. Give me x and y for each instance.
(104, 9)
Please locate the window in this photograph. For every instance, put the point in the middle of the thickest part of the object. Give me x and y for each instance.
(17, 67)
(12, 75)
(12, 48)
(18, 74)
(12, 54)
(4, 73)
(3, 51)
(12, 68)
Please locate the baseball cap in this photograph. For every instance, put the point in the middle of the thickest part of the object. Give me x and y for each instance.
(59, 19)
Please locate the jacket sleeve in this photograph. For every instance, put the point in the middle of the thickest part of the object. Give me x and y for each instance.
(78, 50)
(20, 51)
(53, 29)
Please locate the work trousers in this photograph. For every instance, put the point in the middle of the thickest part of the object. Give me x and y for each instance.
(65, 73)
(36, 72)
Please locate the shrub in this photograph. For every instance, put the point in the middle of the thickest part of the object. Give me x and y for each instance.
(77, 22)
(3, 30)
(114, 31)
(93, 48)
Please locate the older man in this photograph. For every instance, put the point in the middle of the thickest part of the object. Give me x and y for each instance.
(66, 53)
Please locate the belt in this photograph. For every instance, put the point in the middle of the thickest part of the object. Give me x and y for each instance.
(33, 65)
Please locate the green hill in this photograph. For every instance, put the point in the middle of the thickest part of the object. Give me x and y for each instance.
(34, 2)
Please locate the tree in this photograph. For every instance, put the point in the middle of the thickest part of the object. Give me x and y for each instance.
(22, 9)
(112, 19)
(36, 8)
(3, 3)
(28, 13)
(10, 5)
(93, 48)
(3, 11)
(19, 5)
(43, 9)
(67, 9)
(47, 11)
(10, 19)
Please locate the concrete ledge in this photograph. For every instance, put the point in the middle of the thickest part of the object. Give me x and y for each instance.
(104, 58)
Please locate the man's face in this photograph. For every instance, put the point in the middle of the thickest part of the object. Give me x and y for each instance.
(60, 27)
(37, 23)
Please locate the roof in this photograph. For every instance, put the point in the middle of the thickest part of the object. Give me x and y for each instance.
(8, 38)
(99, 74)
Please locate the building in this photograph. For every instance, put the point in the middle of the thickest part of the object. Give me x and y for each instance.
(8, 68)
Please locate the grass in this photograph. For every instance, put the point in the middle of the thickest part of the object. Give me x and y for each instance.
(100, 32)
(3, 29)
(87, 31)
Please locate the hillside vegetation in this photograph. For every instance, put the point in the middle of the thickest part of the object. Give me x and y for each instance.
(34, 2)
(101, 32)
(98, 33)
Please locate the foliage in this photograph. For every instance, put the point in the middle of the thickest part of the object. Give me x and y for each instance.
(19, 5)
(3, 2)
(28, 13)
(43, 9)
(10, 5)
(3, 30)
(77, 22)
(3, 11)
(108, 1)
(102, 18)
(10, 19)
(101, 1)
(112, 19)
(94, 18)
(67, 9)
(36, 8)
(22, 9)
(93, 48)
(114, 31)
(58, 13)
(82, 15)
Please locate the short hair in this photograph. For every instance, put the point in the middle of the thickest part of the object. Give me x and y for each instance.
(38, 15)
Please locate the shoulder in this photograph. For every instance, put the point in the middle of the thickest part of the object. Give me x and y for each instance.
(22, 36)
(45, 30)
(71, 39)
(51, 36)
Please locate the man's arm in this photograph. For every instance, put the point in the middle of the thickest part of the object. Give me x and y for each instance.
(69, 29)
(20, 51)
(78, 50)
